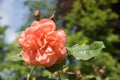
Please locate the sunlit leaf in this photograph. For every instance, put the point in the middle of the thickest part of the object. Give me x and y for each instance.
(85, 52)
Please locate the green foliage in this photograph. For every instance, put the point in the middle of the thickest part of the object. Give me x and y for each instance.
(93, 66)
(91, 18)
(44, 78)
(85, 52)
(2, 34)
(16, 57)
(13, 69)
(88, 20)
(56, 67)
(78, 37)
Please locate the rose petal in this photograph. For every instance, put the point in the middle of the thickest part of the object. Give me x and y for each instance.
(47, 25)
(35, 23)
(61, 36)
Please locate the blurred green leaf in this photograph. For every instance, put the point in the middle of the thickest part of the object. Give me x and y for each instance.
(90, 76)
(44, 78)
(85, 52)
(16, 57)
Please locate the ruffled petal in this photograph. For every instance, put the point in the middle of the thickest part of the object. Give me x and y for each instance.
(47, 25)
(61, 55)
(35, 23)
(61, 36)
(29, 56)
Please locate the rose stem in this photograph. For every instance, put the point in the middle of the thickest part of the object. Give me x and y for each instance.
(30, 74)
(59, 76)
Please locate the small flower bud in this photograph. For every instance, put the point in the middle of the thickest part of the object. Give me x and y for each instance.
(102, 70)
(56, 73)
(78, 72)
(37, 14)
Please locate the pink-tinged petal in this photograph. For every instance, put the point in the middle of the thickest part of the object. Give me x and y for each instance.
(51, 60)
(47, 58)
(47, 25)
(61, 36)
(35, 23)
(61, 55)
(32, 41)
(52, 38)
(27, 31)
(42, 59)
(25, 57)
(29, 56)
(22, 41)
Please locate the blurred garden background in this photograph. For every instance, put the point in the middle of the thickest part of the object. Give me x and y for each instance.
(83, 21)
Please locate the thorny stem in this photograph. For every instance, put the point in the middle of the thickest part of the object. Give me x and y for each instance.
(30, 74)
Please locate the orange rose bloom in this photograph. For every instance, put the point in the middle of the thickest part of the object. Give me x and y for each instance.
(42, 45)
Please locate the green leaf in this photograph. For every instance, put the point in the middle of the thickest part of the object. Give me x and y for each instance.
(90, 76)
(16, 57)
(83, 42)
(85, 52)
